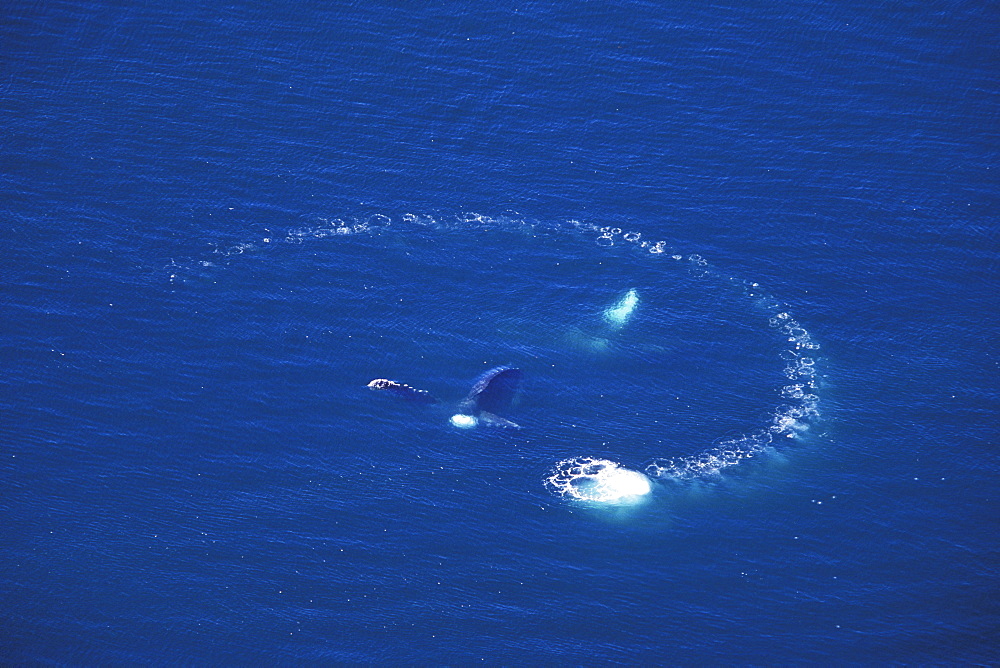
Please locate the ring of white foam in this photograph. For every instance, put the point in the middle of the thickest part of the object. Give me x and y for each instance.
(600, 480)
(598, 477)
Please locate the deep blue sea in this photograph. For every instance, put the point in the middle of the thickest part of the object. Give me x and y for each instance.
(744, 253)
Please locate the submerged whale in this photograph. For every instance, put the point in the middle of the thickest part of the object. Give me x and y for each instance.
(492, 392)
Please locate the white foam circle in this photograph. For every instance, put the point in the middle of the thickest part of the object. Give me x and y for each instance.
(587, 478)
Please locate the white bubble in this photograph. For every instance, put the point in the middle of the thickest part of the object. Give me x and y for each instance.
(792, 391)
(463, 421)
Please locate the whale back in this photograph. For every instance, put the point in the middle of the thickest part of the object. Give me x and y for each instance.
(494, 391)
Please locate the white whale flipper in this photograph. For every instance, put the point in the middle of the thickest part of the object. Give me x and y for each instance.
(618, 315)
(491, 420)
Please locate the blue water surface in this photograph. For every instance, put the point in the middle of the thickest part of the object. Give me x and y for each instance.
(221, 221)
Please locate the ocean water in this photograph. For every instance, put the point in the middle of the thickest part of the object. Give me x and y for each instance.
(744, 253)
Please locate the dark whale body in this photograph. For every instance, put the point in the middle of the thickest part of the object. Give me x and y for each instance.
(494, 391)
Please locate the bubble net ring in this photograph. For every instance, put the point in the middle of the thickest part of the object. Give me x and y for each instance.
(589, 478)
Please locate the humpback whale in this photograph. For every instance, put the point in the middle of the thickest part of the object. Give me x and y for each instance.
(491, 393)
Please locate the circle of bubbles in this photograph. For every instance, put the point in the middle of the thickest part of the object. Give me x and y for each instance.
(593, 478)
